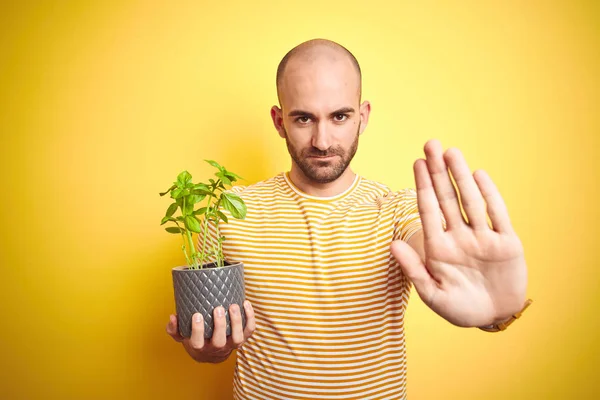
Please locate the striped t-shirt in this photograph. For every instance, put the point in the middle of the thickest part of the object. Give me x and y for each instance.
(329, 297)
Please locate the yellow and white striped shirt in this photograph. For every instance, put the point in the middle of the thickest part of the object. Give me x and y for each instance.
(329, 297)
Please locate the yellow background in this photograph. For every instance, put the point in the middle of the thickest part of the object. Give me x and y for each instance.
(103, 103)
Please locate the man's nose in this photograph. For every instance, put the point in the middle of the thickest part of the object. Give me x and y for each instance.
(321, 138)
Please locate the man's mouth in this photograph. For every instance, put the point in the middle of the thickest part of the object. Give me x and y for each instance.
(322, 157)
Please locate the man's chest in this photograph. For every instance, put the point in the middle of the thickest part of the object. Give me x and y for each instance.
(313, 249)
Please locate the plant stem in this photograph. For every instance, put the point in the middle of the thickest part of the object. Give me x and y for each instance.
(189, 244)
(203, 255)
(184, 252)
(218, 250)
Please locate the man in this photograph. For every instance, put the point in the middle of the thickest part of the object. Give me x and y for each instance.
(329, 256)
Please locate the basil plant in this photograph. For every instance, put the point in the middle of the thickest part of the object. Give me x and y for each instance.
(186, 195)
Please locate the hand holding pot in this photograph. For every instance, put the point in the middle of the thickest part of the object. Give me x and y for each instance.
(219, 347)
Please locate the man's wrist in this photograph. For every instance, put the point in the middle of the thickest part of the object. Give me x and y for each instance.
(501, 325)
(497, 322)
(502, 321)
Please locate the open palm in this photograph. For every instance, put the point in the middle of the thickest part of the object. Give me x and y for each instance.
(473, 274)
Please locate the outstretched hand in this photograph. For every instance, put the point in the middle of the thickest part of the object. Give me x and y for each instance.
(473, 274)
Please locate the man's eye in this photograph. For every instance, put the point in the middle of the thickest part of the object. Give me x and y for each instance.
(340, 117)
(303, 120)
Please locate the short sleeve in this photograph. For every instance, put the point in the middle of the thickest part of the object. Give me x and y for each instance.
(406, 217)
(237, 189)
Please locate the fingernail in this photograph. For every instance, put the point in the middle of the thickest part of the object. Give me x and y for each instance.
(235, 310)
(198, 317)
(220, 311)
(246, 305)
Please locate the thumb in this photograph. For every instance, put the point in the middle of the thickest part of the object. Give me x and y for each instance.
(414, 269)
(172, 328)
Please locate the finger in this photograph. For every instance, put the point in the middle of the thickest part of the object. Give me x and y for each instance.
(470, 196)
(427, 203)
(496, 208)
(415, 270)
(172, 329)
(219, 338)
(250, 320)
(197, 337)
(444, 189)
(237, 333)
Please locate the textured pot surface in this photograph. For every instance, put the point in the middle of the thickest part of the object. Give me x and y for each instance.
(203, 290)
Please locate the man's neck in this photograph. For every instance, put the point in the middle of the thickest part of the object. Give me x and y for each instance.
(340, 185)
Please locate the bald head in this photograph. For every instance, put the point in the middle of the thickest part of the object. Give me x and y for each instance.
(315, 51)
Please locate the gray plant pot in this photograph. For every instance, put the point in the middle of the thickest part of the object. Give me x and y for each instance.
(203, 290)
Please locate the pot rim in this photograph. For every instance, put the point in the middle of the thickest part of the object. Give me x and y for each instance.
(186, 267)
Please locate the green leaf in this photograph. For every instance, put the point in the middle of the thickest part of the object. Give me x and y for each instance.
(192, 224)
(203, 192)
(194, 198)
(223, 178)
(232, 174)
(177, 193)
(234, 204)
(189, 207)
(214, 164)
(171, 188)
(167, 219)
(200, 211)
(200, 197)
(183, 178)
(190, 202)
(173, 229)
(201, 186)
(232, 177)
(171, 210)
(223, 216)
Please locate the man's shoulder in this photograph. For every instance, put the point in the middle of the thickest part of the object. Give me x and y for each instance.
(266, 186)
(372, 185)
(382, 189)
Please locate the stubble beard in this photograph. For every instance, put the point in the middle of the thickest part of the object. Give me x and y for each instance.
(323, 171)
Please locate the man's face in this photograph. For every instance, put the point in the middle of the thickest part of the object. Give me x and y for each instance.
(322, 166)
(320, 117)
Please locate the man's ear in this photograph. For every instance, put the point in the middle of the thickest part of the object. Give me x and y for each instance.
(365, 110)
(277, 116)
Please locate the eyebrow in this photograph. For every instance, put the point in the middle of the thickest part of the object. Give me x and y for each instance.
(343, 110)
